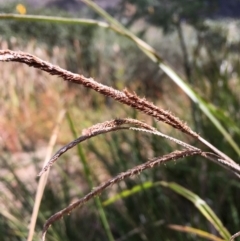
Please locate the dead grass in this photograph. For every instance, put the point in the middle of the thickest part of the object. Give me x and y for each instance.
(129, 99)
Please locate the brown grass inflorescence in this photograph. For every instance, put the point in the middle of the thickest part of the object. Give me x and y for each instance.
(129, 99)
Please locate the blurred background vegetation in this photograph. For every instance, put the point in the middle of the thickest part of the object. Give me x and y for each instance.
(202, 48)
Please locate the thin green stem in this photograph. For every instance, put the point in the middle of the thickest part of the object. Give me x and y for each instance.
(88, 175)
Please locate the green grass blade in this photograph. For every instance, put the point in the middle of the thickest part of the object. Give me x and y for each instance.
(90, 181)
(52, 19)
(127, 193)
(80, 152)
(15, 223)
(202, 206)
(225, 119)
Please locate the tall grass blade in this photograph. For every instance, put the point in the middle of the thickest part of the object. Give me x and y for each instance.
(201, 205)
(196, 200)
(53, 19)
(17, 225)
(225, 119)
(128, 193)
(90, 181)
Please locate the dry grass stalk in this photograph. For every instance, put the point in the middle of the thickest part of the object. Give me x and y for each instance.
(95, 130)
(131, 100)
(43, 180)
(109, 126)
(234, 167)
(235, 236)
(131, 172)
(158, 133)
(122, 96)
